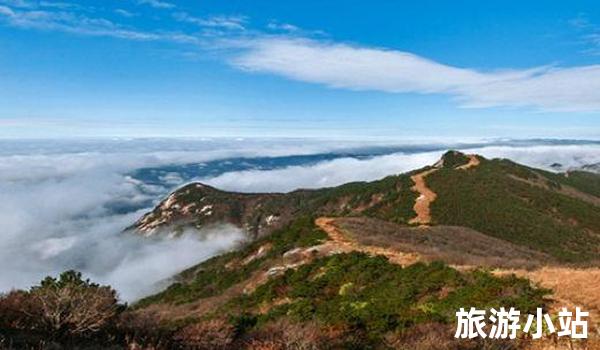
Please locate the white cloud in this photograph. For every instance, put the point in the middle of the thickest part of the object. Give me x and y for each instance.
(160, 260)
(343, 170)
(17, 3)
(125, 13)
(325, 174)
(353, 67)
(286, 27)
(157, 4)
(78, 23)
(338, 65)
(543, 156)
(589, 33)
(225, 22)
(296, 56)
(58, 5)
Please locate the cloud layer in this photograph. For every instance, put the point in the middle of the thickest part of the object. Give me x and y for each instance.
(343, 170)
(354, 67)
(64, 205)
(324, 174)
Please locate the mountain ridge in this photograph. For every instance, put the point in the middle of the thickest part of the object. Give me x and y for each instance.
(552, 213)
(199, 200)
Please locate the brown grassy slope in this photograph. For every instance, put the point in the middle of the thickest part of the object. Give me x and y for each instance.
(452, 244)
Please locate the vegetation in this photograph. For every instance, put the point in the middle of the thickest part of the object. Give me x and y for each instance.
(64, 310)
(326, 299)
(369, 294)
(487, 199)
(554, 214)
(213, 276)
(453, 159)
(356, 301)
(390, 198)
(583, 181)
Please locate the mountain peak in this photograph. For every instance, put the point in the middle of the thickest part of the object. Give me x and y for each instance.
(452, 159)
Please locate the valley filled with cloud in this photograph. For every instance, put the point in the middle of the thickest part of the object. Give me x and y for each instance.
(65, 205)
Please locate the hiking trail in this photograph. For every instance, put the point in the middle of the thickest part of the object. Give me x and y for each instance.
(426, 195)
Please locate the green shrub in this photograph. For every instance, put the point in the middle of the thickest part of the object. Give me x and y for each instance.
(487, 199)
(380, 296)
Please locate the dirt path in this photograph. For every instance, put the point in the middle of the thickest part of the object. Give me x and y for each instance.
(427, 196)
(473, 162)
(342, 242)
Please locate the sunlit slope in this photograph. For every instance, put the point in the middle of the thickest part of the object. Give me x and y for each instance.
(557, 214)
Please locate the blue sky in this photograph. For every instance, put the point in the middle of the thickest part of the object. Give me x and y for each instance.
(348, 69)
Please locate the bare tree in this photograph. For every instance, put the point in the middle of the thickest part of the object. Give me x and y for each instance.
(71, 305)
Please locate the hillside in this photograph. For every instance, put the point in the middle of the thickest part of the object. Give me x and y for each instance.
(302, 280)
(557, 214)
(385, 264)
(366, 265)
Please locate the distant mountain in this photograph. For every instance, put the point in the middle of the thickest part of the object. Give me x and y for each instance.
(592, 168)
(595, 168)
(198, 205)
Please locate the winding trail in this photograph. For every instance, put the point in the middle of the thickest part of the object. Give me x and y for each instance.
(427, 196)
(473, 162)
(571, 286)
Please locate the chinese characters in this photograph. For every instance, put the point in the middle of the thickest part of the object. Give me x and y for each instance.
(504, 324)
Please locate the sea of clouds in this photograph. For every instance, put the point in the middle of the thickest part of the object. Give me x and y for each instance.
(343, 170)
(65, 204)
(62, 207)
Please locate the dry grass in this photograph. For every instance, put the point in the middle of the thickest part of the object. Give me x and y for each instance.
(578, 287)
(571, 287)
(562, 344)
(286, 335)
(209, 335)
(345, 242)
(458, 246)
